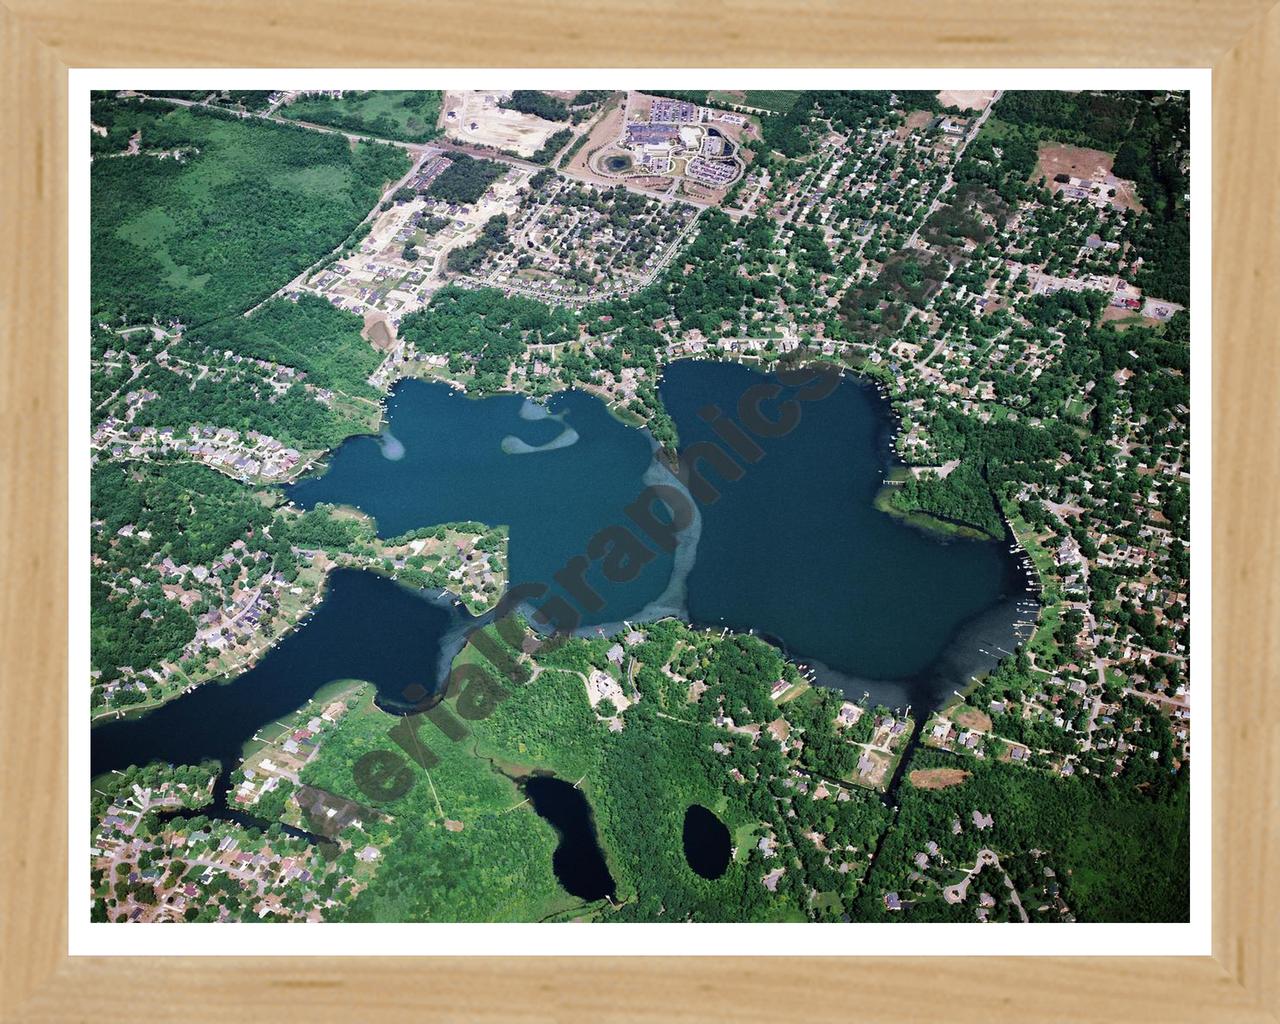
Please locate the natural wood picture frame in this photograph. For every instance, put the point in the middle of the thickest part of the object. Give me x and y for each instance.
(42, 39)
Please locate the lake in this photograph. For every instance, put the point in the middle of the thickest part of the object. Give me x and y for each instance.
(553, 475)
(706, 842)
(578, 862)
(796, 550)
(793, 549)
(366, 628)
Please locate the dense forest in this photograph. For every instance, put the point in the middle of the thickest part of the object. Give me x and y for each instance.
(310, 334)
(465, 180)
(551, 148)
(1101, 120)
(170, 236)
(962, 496)
(484, 326)
(531, 101)
(589, 97)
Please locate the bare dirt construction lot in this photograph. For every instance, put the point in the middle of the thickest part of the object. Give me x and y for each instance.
(972, 718)
(966, 99)
(379, 331)
(607, 129)
(937, 778)
(916, 120)
(1074, 160)
(1091, 164)
(638, 106)
(475, 117)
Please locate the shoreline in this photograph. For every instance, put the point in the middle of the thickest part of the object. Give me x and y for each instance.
(672, 604)
(439, 596)
(668, 606)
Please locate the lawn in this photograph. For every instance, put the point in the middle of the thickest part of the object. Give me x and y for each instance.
(994, 129)
(1075, 408)
(1043, 645)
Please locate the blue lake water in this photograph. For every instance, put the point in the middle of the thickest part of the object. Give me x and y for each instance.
(796, 549)
(365, 628)
(793, 549)
(553, 475)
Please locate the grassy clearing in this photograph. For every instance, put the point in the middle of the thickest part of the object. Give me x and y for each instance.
(745, 837)
(403, 114)
(972, 718)
(777, 100)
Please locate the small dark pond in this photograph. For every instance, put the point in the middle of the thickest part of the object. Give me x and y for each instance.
(706, 842)
(578, 861)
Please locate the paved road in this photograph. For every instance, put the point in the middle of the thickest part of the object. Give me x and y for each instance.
(947, 185)
(1177, 702)
(986, 858)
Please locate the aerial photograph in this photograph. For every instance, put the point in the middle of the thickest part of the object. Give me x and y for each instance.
(630, 505)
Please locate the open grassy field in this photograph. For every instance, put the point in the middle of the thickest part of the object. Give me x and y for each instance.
(972, 718)
(402, 114)
(778, 101)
